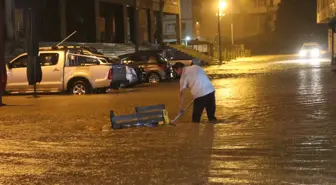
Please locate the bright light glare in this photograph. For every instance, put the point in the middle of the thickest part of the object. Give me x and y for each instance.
(188, 38)
(222, 5)
(315, 62)
(315, 52)
(303, 53)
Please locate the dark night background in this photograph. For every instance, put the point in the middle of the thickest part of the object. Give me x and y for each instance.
(296, 24)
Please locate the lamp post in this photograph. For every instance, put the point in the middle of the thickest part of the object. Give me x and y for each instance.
(231, 12)
(221, 6)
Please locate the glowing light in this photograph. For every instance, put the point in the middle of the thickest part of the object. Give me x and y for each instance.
(222, 5)
(315, 52)
(303, 53)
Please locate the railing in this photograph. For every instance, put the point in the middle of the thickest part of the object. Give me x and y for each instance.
(229, 53)
(233, 52)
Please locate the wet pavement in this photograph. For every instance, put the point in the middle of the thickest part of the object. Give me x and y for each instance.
(278, 126)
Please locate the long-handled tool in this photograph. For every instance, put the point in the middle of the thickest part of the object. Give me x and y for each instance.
(181, 113)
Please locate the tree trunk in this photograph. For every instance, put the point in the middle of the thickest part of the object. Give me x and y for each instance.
(9, 19)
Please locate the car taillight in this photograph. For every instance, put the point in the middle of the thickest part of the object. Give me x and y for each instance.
(110, 74)
(162, 66)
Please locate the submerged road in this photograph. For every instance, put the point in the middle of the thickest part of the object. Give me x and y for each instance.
(278, 126)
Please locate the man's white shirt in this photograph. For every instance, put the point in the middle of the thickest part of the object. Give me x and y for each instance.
(196, 79)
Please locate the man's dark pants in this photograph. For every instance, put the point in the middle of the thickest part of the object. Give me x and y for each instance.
(209, 103)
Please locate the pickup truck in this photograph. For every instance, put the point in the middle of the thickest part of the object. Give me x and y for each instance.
(134, 75)
(63, 71)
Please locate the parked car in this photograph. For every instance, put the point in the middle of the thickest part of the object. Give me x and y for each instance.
(156, 67)
(134, 75)
(62, 71)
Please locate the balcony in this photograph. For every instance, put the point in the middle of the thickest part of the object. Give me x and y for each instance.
(255, 10)
(327, 13)
(171, 6)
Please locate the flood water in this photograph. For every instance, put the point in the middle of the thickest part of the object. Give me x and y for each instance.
(278, 126)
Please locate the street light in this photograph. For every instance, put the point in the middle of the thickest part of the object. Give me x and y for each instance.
(222, 5)
(187, 39)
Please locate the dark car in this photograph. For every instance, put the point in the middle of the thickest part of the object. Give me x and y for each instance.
(156, 67)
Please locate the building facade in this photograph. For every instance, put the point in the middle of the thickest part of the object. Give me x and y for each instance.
(249, 18)
(187, 23)
(326, 14)
(253, 17)
(116, 21)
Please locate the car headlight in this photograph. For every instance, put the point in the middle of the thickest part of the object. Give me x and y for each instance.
(303, 53)
(315, 52)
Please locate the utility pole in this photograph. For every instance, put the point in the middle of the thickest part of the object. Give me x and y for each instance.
(219, 37)
(232, 39)
(3, 74)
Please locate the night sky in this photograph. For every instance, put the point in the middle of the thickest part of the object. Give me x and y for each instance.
(297, 23)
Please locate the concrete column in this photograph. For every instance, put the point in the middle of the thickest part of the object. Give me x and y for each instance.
(62, 4)
(2, 48)
(97, 15)
(332, 43)
(178, 29)
(126, 23)
(9, 12)
(152, 26)
(143, 26)
(136, 25)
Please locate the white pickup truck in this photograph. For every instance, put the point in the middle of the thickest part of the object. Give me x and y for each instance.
(62, 71)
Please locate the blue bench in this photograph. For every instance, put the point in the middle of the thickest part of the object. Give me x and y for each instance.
(149, 116)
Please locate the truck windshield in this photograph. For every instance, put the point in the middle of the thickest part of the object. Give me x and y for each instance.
(310, 46)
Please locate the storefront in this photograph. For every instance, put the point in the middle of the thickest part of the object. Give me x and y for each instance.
(114, 21)
(326, 14)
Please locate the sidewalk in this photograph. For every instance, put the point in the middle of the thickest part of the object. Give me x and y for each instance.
(247, 65)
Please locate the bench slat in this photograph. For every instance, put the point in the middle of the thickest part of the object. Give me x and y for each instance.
(150, 108)
(137, 116)
(125, 117)
(151, 120)
(149, 114)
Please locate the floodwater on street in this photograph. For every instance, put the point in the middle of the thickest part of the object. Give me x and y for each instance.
(277, 126)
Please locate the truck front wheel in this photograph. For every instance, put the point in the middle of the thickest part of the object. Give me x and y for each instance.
(80, 88)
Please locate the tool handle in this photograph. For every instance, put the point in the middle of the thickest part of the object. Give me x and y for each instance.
(178, 116)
